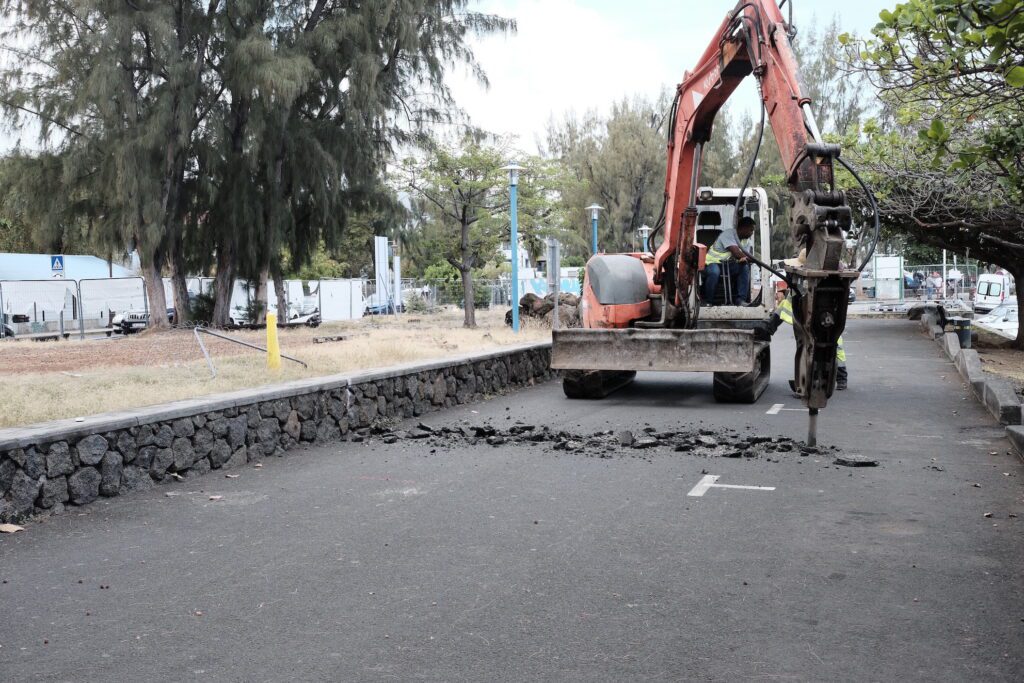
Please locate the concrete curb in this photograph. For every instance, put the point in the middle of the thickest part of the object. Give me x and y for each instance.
(1016, 437)
(1001, 400)
(951, 345)
(995, 393)
(930, 325)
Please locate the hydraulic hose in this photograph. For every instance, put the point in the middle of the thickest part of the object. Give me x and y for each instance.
(750, 169)
(874, 209)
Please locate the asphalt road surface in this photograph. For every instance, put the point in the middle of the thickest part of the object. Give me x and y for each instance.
(388, 562)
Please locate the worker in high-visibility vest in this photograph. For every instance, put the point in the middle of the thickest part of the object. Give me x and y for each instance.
(784, 314)
(730, 255)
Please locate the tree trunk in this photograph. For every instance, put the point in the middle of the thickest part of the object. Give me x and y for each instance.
(182, 312)
(1018, 278)
(223, 285)
(465, 267)
(179, 286)
(470, 303)
(154, 289)
(261, 295)
(282, 296)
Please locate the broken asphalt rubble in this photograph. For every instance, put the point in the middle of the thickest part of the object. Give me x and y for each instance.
(703, 442)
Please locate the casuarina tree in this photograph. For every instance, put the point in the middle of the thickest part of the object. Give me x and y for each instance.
(219, 133)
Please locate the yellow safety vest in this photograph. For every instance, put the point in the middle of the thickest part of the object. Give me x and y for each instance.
(719, 256)
(785, 312)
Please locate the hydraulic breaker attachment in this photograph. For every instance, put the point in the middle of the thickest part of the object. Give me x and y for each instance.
(819, 318)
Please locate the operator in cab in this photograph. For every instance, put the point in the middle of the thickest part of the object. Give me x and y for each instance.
(730, 255)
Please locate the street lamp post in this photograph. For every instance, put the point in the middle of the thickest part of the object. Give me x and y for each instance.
(513, 181)
(594, 208)
(554, 277)
(645, 233)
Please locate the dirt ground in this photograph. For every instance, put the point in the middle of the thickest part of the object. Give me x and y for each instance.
(999, 359)
(46, 380)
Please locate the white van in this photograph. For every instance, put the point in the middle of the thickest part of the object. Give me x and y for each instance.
(992, 291)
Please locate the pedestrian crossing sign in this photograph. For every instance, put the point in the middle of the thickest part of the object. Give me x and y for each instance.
(57, 266)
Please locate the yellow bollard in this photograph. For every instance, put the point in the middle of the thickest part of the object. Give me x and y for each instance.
(273, 350)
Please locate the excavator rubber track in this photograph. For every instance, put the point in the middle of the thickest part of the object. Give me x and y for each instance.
(745, 387)
(594, 384)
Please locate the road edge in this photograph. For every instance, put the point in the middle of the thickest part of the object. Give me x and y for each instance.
(993, 392)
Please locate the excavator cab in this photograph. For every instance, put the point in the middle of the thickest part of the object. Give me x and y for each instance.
(716, 212)
(620, 296)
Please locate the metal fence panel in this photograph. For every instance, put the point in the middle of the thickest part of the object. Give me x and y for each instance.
(39, 307)
(103, 299)
(489, 293)
(926, 281)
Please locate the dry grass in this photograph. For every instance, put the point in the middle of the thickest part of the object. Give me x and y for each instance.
(52, 380)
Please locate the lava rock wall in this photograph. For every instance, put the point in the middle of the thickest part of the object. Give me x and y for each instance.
(45, 468)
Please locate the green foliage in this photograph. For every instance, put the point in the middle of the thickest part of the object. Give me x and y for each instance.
(617, 162)
(321, 266)
(254, 310)
(1015, 77)
(448, 280)
(416, 304)
(959, 182)
(462, 192)
(201, 309)
(223, 132)
(14, 238)
(956, 66)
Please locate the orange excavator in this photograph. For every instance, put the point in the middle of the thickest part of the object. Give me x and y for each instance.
(647, 311)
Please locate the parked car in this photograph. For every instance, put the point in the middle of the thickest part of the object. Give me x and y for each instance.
(380, 309)
(999, 311)
(993, 289)
(1003, 320)
(296, 316)
(134, 321)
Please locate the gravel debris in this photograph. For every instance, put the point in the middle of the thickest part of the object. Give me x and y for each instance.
(725, 443)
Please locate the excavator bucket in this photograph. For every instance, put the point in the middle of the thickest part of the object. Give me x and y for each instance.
(631, 349)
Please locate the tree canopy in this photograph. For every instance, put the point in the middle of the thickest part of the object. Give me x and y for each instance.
(463, 194)
(949, 166)
(222, 133)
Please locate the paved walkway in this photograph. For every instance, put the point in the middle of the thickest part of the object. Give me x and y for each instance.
(376, 562)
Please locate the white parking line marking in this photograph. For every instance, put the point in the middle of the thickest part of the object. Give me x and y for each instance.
(777, 408)
(708, 482)
(703, 485)
(748, 488)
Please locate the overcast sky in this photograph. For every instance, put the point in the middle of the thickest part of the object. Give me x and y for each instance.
(583, 54)
(577, 55)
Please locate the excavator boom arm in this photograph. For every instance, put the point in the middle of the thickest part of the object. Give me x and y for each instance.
(755, 39)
